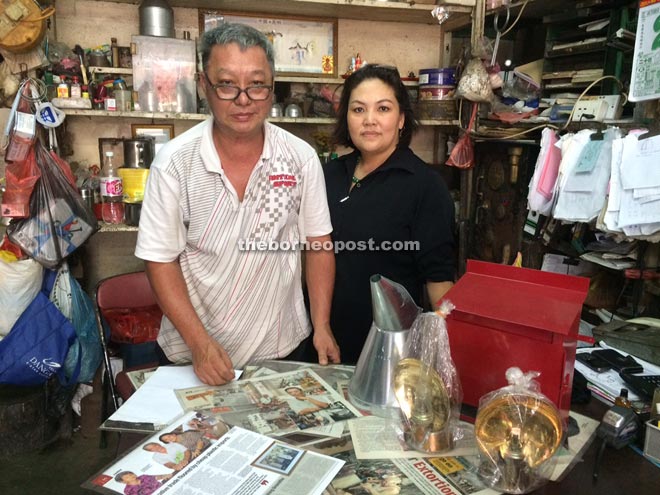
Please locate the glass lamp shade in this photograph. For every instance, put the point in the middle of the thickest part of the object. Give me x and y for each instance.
(517, 434)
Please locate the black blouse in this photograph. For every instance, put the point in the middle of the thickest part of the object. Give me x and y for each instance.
(403, 200)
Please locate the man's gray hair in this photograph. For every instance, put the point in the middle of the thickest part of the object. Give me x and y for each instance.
(244, 36)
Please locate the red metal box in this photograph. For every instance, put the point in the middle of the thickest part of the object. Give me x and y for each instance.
(507, 316)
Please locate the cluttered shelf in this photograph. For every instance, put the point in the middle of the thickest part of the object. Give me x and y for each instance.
(490, 128)
(399, 11)
(75, 112)
(279, 79)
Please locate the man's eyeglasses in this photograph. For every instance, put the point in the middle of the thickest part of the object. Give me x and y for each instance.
(258, 92)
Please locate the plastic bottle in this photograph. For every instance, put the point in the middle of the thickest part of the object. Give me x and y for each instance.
(112, 191)
(76, 90)
(63, 88)
(622, 400)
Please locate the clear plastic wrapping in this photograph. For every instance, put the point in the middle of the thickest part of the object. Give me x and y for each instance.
(427, 387)
(518, 431)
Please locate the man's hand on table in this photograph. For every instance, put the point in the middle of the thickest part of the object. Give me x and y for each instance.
(211, 363)
(326, 345)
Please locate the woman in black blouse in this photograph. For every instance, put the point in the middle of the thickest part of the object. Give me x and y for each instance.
(392, 214)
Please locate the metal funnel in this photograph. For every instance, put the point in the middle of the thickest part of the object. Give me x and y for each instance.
(394, 311)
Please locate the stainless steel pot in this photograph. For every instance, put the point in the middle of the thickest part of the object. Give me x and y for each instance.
(139, 152)
(156, 19)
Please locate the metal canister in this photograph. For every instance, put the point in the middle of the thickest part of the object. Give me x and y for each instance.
(87, 196)
(156, 18)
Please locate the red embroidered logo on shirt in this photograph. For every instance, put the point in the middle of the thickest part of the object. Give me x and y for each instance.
(283, 180)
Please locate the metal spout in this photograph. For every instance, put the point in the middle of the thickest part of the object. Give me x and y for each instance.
(392, 306)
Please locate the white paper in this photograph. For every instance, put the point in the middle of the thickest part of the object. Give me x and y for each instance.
(640, 166)
(645, 77)
(155, 401)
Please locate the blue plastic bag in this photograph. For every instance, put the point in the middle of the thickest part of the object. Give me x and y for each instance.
(75, 304)
(37, 345)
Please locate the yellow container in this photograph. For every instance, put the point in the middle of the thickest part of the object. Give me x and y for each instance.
(134, 181)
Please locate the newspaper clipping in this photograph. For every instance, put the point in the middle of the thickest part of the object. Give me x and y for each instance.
(273, 404)
(202, 455)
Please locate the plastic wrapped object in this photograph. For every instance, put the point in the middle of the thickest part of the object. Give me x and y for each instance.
(518, 431)
(474, 84)
(427, 387)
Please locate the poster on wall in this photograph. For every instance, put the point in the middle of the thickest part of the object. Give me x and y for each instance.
(645, 82)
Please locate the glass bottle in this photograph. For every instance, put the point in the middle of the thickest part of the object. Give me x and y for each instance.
(112, 191)
(114, 48)
(76, 90)
(622, 400)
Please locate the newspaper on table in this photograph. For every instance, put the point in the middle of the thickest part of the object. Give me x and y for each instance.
(200, 454)
(430, 476)
(272, 404)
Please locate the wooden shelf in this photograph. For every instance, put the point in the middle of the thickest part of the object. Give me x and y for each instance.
(373, 10)
(73, 112)
(110, 70)
(293, 79)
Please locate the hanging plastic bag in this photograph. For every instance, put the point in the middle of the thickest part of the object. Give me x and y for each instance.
(21, 282)
(60, 221)
(462, 155)
(474, 84)
(38, 344)
(21, 179)
(68, 296)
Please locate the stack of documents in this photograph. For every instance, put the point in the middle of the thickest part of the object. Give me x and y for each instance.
(608, 384)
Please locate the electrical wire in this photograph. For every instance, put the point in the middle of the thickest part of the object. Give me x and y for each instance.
(516, 19)
(618, 81)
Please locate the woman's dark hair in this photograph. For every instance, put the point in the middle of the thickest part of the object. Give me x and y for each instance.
(390, 76)
(119, 477)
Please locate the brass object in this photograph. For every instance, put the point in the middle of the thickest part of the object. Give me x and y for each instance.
(424, 401)
(514, 159)
(518, 432)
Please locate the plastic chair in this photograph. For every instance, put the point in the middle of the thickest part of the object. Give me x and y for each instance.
(126, 291)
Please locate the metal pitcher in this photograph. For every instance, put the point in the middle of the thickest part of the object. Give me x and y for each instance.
(394, 311)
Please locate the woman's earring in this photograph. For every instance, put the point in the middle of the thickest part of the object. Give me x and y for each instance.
(401, 132)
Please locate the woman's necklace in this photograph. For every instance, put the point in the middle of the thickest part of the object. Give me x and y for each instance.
(354, 179)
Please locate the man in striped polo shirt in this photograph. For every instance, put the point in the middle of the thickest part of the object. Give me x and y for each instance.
(227, 205)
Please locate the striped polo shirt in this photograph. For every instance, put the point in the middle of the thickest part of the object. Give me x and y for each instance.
(251, 300)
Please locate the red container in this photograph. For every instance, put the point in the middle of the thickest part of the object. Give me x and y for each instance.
(507, 316)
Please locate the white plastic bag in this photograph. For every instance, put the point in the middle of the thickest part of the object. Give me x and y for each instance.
(21, 282)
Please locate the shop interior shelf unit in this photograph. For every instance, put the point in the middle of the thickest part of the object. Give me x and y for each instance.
(75, 112)
(392, 11)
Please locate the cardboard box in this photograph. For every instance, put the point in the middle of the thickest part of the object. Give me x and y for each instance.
(507, 316)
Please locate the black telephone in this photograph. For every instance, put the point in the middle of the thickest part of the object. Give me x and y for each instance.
(619, 361)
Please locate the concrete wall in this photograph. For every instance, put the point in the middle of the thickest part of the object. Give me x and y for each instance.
(409, 46)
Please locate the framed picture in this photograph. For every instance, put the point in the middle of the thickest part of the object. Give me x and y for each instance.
(304, 46)
(161, 133)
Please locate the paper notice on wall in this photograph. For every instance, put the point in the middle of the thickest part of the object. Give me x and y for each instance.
(645, 82)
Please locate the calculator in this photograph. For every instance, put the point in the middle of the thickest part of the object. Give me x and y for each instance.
(642, 384)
